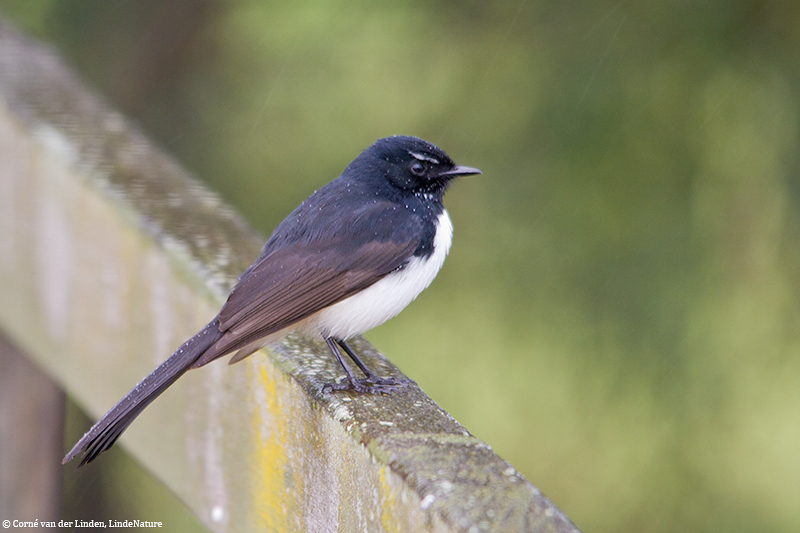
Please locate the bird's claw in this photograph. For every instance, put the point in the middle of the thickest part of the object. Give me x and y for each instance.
(369, 385)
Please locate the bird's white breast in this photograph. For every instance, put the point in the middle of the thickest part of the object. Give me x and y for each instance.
(386, 298)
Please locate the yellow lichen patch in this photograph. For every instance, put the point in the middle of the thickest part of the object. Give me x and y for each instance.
(273, 496)
(388, 511)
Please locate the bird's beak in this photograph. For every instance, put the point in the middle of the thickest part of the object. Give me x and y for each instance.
(460, 171)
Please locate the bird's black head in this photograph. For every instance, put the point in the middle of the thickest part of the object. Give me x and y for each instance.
(412, 165)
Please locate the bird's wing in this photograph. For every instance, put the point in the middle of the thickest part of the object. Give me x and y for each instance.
(296, 280)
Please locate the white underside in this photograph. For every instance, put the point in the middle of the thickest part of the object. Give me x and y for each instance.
(377, 303)
(386, 298)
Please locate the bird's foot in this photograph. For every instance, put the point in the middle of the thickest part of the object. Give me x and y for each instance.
(369, 385)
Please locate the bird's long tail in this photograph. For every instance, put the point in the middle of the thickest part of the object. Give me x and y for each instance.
(108, 429)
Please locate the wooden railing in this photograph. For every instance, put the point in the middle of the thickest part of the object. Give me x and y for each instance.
(110, 256)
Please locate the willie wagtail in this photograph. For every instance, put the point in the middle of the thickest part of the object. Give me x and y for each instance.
(349, 258)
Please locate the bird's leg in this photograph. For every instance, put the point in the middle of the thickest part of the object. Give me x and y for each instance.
(364, 368)
(331, 342)
(371, 376)
(372, 383)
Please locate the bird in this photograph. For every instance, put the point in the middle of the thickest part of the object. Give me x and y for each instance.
(350, 257)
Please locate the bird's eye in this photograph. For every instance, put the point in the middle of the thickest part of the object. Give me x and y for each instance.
(418, 169)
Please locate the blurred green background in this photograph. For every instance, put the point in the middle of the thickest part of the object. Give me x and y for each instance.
(619, 317)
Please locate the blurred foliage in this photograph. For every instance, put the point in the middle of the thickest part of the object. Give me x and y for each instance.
(619, 317)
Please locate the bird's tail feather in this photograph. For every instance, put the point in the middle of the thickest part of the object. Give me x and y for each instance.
(106, 431)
